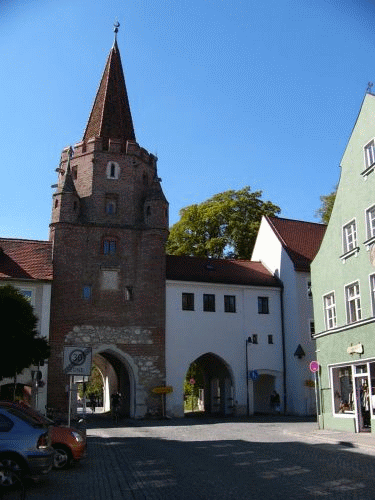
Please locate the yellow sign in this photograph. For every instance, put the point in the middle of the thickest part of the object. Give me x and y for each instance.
(162, 390)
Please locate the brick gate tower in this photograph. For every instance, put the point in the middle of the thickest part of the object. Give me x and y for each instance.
(109, 228)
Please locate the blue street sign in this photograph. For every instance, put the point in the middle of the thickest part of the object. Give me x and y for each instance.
(254, 375)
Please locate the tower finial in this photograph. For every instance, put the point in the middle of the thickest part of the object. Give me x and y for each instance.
(115, 28)
(369, 88)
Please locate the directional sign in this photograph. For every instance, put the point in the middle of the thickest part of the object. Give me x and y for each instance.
(162, 390)
(77, 360)
(254, 375)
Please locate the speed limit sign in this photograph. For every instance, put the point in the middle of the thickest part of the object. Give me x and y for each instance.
(77, 360)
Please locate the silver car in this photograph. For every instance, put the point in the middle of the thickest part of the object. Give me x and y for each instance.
(25, 447)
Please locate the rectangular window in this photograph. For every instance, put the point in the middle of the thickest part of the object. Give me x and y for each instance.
(87, 292)
(129, 293)
(188, 302)
(330, 310)
(353, 303)
(270, 339)
(370, 222)
(109, 247)
(255, 338)
(209, 302)
(369, 154)
(229, 303)
(342, 388)
(349, 236)
(372, 291)
(309, 289)
(263, 305)
(109, 279)
(311, 327)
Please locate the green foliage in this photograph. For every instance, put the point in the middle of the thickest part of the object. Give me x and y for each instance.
(21, 346)
(325, 210)
(191, 391)
(224, 226)
(94, 385)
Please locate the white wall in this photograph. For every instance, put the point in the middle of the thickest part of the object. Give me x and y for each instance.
(190, 334)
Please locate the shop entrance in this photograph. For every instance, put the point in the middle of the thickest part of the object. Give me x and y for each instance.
(362, 399)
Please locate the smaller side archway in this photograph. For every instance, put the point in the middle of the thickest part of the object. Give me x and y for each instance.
(216, 388)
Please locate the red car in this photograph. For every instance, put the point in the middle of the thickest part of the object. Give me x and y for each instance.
(69, 443)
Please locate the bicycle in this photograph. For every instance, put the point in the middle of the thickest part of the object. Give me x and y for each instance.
(116, 414)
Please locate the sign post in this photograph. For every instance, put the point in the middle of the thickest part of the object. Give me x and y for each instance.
(163, 390)
(314, 368)
(77, 361)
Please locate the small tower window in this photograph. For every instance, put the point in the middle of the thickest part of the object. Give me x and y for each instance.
(145, 179)
(129, 293)
(113, 170)
(109, 246)
(148, 210)
(74, 172)
(111, 204)
(56, 203)
(87, 292)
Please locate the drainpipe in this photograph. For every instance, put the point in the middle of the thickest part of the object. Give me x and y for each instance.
(283, 344)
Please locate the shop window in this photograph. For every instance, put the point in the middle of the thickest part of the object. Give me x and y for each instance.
(342, 387)
(188, 302)
(330, 310)
(353, 303)
(263, 306)
(208, 302)
(229, 303)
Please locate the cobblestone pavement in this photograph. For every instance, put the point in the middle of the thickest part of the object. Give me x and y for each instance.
(204, 459)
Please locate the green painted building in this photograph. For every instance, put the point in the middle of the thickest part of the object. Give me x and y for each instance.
(343, 282)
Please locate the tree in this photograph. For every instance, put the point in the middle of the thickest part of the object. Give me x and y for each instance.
(325, 210)
(21, 346)
(224, 226)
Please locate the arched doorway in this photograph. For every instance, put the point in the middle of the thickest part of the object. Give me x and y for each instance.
(213, 385)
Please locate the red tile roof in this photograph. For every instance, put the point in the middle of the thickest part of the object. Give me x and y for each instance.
(235, 272)
(301, 240)
(25, 259)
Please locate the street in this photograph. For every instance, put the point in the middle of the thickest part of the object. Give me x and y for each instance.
(189, 458)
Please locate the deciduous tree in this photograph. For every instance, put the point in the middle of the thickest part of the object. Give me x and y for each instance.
(21, 346)
(325, 210)
(224, 226)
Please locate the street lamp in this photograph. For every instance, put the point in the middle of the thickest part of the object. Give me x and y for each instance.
(248, 341)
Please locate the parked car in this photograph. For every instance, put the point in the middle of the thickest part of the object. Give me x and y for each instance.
(68, 443)
(25, 447)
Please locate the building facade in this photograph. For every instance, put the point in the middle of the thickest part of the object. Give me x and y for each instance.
(225, 317)
(343, 276)
(108, 232)
(287, 247)
(27, 265)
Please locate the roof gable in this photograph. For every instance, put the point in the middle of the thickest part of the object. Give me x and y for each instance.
(25, 259)
(301, 240)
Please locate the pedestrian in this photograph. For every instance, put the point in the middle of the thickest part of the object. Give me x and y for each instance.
(275, 402)
(92, 402)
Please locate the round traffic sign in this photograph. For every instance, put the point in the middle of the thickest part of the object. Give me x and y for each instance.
(314, 366)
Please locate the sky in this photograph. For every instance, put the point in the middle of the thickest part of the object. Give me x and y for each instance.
(227, 94)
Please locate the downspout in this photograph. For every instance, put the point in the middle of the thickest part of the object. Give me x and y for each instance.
(283, 344)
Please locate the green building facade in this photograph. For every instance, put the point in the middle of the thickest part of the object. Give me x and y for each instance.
(343, 282)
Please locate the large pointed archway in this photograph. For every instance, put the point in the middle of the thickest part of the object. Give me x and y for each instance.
(216, 393)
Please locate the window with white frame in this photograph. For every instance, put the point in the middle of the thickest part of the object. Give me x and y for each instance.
(353, 302)
(369, 154)
(349, 236)
(113, 170)
(372, 291)
(370, 222)
(330, 310)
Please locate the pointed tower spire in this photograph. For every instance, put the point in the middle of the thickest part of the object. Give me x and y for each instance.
(110, 116)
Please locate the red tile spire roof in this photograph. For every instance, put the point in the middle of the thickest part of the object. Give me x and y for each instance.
(301, 240)
(25, 259)
(110, 115)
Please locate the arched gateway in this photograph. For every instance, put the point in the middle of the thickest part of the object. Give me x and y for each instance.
(109, 228)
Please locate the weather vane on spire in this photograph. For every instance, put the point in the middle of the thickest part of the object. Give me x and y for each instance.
(115, 28)
(369, 87)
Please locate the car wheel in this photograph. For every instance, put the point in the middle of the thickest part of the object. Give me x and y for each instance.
(62, 457)
(11, 471)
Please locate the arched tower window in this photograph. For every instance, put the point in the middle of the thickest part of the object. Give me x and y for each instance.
(113, 170)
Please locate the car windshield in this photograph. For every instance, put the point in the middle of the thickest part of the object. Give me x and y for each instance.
(26, 418)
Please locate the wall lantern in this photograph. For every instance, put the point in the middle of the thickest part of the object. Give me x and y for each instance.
(300, 353)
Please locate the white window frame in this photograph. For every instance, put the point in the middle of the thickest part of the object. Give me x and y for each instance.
(370, 226)
(372, 292)
(349, 239)
(330, 317)
(369, 155)
(353, 302)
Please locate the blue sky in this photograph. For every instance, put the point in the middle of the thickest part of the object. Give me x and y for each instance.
(227, 93)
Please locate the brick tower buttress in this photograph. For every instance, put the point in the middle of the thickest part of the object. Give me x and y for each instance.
(109, 228)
